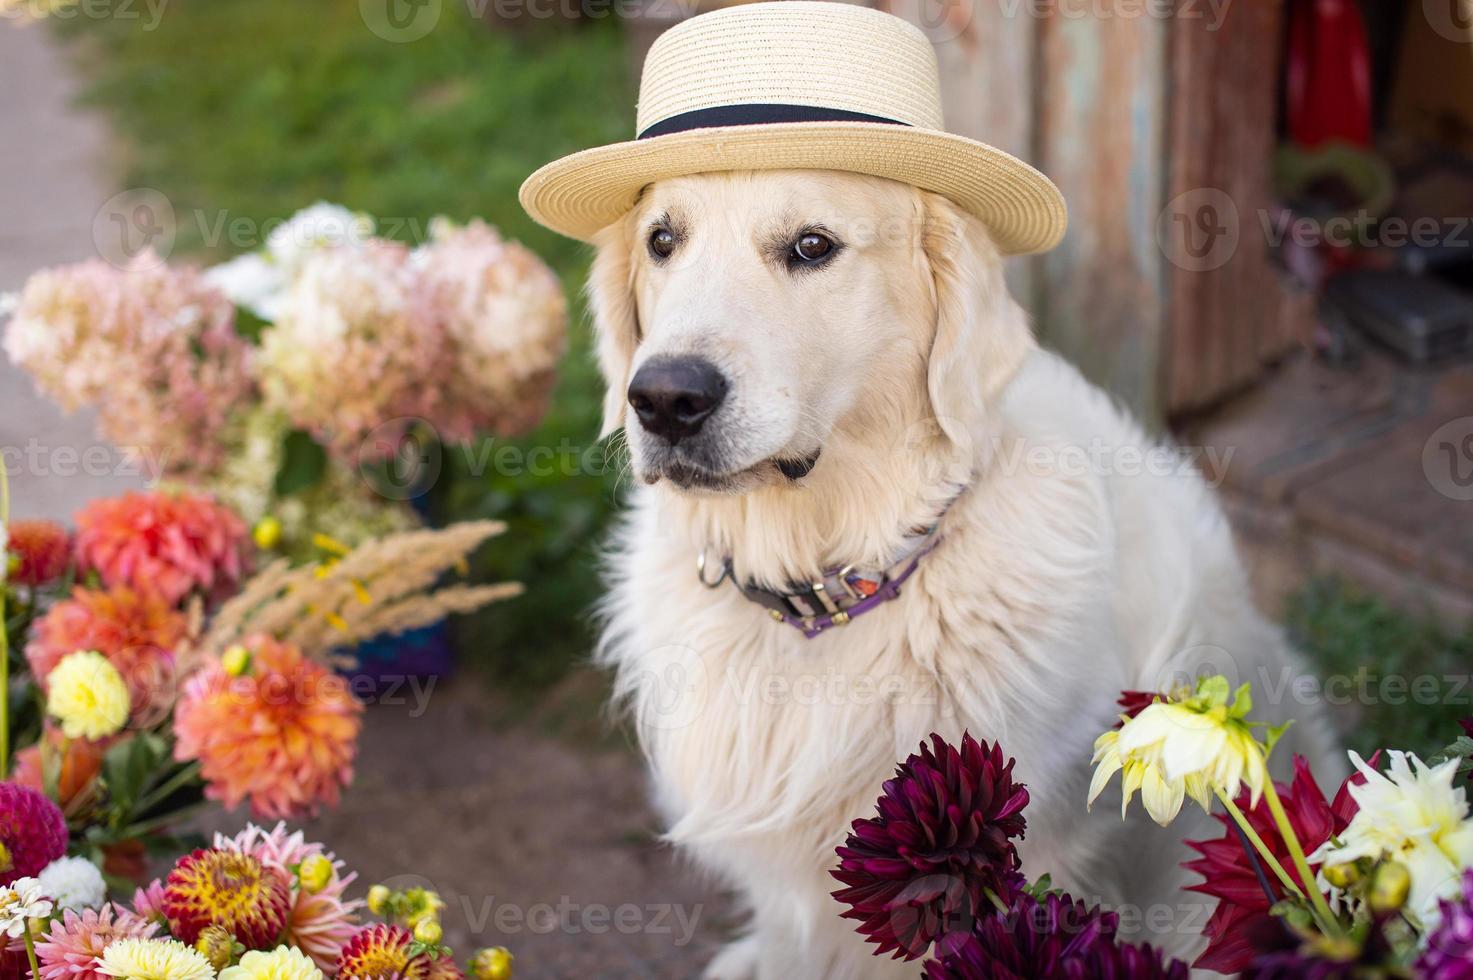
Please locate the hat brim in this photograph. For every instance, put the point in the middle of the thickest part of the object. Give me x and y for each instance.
(581, 194)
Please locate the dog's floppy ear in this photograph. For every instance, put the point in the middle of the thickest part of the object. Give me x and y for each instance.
(611, 297)
(982, 336)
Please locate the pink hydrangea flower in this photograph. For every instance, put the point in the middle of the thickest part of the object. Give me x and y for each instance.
(152, 347)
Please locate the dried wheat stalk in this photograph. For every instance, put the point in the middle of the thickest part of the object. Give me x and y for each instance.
(386, 585)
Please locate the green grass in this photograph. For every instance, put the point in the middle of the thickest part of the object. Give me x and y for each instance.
(1404, 676)
(246, 110)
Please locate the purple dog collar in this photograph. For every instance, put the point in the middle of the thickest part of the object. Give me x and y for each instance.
(839, 596)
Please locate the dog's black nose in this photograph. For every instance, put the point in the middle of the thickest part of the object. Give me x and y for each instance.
(673, 396)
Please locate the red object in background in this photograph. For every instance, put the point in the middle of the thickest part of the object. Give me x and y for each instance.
(1327, 85)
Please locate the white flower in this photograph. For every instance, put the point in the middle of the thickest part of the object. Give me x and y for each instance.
(1194, 746)
(252, 281)
(313, 229)
(74, 882)
(1415, 815)
(21, 901)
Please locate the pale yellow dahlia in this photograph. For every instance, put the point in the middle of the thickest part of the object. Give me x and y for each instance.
(282, 963)
(154, 959)
(1197, 746)
(87, 695)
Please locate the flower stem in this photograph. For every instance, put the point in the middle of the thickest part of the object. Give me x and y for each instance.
(31, 953)
(4, 633)
(1268, 856)
(1330, 923)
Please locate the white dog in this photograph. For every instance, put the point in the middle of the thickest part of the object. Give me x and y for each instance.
(813, 368)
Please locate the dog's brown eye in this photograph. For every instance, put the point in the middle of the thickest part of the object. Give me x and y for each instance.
(662, 242)
(812, 246)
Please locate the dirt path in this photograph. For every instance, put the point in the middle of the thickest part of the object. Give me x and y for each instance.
(55, 184)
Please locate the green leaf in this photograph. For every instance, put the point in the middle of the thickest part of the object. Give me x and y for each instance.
(1274, 733)
(1243, 701)
(303, 463)
(248, 325)
(125, 768)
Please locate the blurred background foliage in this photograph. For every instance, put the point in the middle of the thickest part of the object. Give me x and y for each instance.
(252, 109)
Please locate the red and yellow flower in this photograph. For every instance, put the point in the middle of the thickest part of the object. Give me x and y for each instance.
(386, 951)
(227, 889)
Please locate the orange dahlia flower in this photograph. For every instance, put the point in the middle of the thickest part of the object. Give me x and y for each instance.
(175, 543)
(137, 631)
(228, 889)
(80, 765)
(282, 734)
(42, 551)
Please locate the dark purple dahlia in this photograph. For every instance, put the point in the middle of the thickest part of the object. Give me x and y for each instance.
(1449, 952)
(922, 869)
(32, 832)
(1054, 938)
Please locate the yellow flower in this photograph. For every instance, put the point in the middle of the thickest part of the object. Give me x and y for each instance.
(315, 873)
(267, 533)
(492, 964)
(420, 904)
(1196, 746)
(154, 959)
(87, 695)
(378, 899)
(216, 944)
(236, 660)
(428, 931)
(282, 963)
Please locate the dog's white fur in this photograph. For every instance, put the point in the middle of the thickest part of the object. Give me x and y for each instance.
(1055, 586)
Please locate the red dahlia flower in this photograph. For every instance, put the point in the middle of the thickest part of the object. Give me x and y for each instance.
(943, 839)
(1133, 703)
(1230, 876)
(42, 550)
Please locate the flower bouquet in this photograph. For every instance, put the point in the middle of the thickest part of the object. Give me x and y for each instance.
(148, 670)
(305, 384)
(1376, 883)
(261, 905)
(937, 871)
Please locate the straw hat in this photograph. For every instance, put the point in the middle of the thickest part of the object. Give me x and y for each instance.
(798, 84)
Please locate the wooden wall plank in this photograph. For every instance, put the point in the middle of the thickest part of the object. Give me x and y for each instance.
(1101, 117)
(1229, 311)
